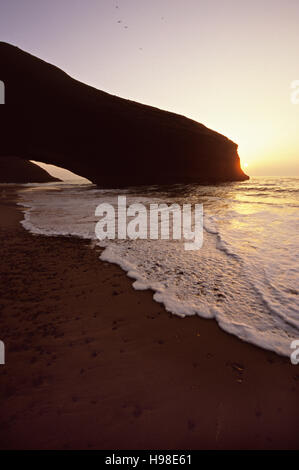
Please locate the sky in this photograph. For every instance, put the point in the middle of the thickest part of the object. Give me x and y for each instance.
(228, 64)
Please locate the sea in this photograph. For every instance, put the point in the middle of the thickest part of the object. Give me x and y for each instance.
(245, 275)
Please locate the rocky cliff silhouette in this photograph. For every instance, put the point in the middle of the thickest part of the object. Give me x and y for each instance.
(114, 142)
(18, 170)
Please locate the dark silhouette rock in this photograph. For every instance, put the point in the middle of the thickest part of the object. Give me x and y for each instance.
(18, 170)
(50, 117)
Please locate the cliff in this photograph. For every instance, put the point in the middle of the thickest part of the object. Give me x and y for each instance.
(17, 170)
(50, 117)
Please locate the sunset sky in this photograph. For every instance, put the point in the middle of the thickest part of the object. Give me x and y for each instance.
(226, 63)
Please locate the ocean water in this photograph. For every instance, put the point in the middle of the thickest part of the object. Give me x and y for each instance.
(245, 276)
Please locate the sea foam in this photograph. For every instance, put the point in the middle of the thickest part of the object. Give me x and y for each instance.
(245, 275)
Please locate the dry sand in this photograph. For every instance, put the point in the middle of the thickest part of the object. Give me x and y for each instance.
(93, 364)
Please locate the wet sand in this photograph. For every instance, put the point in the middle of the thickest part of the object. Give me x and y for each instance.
(93, 364)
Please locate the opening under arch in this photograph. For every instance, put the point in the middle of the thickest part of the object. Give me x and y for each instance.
(62, 173)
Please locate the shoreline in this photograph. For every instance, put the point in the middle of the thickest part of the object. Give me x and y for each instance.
(93, 363)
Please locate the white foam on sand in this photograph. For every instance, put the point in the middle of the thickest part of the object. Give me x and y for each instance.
(244, 276)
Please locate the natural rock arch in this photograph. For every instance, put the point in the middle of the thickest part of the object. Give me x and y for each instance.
(50, 117)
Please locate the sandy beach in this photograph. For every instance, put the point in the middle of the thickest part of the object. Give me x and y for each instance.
(93, 364)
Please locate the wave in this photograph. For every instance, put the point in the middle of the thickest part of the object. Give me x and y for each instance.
(229, 279)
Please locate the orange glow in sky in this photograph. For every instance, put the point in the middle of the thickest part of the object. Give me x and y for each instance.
(228, 64)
